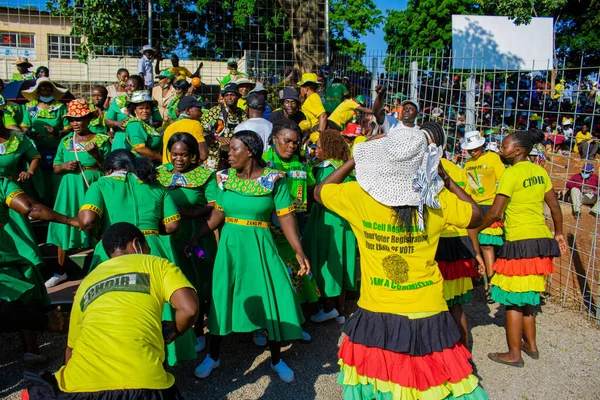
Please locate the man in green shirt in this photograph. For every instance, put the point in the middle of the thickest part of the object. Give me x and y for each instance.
(334, 95)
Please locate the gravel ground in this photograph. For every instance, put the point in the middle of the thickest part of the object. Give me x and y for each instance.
(569, 367)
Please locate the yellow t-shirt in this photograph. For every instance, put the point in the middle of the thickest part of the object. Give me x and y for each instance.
(525, 184)
(344, 112)
(312, 108)
(180, 73)
(484, 174)
(116, 331)
(190, 126)
(580, 137)
(399, 274)
(459, 176)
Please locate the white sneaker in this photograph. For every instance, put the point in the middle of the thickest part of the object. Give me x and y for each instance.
(340, 319)
(201, 345)
(285, 373)
(205, 368)
(260, 338)
(323, 316)
(56, 280)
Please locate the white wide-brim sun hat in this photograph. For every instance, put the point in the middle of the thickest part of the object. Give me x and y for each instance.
(386, 167)
(472, 140)
(32, 93)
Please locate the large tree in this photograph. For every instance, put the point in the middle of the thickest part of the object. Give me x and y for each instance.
(294, 29)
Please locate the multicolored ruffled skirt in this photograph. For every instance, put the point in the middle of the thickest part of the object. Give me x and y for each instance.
(455, 261)
(492, 235)
(409, 357)
(521, 271)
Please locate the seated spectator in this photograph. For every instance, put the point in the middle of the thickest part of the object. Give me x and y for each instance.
(586, 143)
(583, 189)
(116, 339)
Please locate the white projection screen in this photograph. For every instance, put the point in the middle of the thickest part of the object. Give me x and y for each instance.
(496, 43)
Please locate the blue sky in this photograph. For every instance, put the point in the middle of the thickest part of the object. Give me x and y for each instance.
(375, 42)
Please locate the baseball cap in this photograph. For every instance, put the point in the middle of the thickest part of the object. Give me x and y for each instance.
(255, 101)
(165, 73)
(189, 102)
(588, 167)
(414, 103)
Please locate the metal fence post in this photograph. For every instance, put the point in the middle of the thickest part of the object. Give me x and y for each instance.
(470, 97)
(414, 81)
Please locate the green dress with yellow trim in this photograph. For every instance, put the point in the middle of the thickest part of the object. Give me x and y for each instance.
(47, 182)
(253, 290)
(193, 189)
(73, 186)
(298, 177)
(138, 134)
(97, 124)
(329, 242)
(20, 280)
(122, 197)
(15, 154)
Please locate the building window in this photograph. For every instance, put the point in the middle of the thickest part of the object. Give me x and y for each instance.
(63, 47)
(16, 40)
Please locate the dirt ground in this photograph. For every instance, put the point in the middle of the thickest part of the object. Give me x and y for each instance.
(569, 367)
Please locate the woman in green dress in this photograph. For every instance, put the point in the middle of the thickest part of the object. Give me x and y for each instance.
(283, 156)
(328, 239)
(140, 137)
(20, 280)
(79, 160)
(194, 189)
(181, 88)
(97, 124)
(129, 193)
(43, 122)
(16, 151)
(253, 290)
(118, 111)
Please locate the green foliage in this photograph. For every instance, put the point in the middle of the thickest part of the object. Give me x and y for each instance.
(349, 20)
(424, 28)
(211, 28)
(425, 24)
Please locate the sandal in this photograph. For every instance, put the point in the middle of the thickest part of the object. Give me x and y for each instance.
(535, 355)
(488, 297)
(494, 357)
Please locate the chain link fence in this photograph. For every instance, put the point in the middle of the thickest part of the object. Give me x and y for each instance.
(561, 101)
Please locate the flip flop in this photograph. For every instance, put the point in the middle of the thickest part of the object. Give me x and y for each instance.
(533, 354)
(494, 357)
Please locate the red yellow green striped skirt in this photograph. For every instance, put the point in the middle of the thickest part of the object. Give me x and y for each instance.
(492, 235)
(521, 270)
(455, 261)
(409, 357)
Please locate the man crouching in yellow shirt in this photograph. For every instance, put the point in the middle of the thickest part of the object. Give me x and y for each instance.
(116, 344)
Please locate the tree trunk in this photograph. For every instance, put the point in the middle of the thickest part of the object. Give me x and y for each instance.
(306, 21)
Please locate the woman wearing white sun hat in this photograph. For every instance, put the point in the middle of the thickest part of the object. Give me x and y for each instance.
(484, 170)
(402, 341)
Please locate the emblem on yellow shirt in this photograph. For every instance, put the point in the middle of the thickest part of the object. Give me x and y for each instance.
(395, 268)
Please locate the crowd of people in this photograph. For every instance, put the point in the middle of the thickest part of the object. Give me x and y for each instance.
(231, 218)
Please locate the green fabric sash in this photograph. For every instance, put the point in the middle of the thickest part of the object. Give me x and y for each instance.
(295, 173)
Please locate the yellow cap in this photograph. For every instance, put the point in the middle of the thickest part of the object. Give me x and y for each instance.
(304, 125)
(314, 137)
